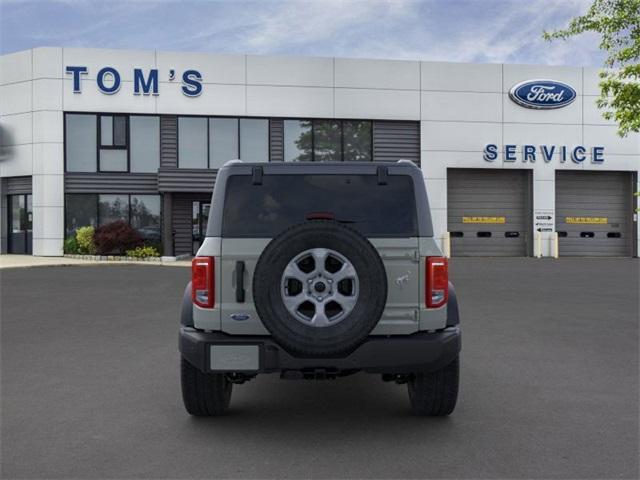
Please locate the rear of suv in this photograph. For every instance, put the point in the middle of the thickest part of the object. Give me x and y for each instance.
(319, 270)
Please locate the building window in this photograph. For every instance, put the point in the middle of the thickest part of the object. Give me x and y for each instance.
(113, 131)
(80, 142)
(211, 142)
(142, 212)
(328, 141)
(223, 141)
(145, 217)
(297, 141)
(357, 141)
(192, 142)
(145, 143)
(80, 211)
(254, 140)
(113, 143)
(112, 208)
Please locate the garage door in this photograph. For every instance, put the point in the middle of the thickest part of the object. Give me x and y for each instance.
(488, 212)
(594, 213)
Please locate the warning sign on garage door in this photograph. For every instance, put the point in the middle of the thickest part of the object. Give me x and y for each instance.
(587, 220)
(544, 220)
(499, 220)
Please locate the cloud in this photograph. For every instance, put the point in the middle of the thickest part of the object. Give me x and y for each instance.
(455, 30)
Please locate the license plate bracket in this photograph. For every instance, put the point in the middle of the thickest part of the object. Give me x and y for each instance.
(234, 358)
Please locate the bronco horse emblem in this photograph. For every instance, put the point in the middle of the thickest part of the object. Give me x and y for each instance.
(403, 279)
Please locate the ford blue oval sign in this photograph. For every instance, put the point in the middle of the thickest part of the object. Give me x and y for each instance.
(542, 94)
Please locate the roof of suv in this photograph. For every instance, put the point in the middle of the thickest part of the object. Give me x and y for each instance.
(404, 164)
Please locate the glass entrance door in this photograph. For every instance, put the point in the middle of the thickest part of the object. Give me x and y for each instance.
(20, 223)
(199, 218)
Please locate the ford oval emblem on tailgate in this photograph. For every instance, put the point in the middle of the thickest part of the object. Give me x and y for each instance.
(240, 316)
(542, 94)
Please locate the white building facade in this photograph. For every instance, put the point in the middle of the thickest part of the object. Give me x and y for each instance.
(91, 136)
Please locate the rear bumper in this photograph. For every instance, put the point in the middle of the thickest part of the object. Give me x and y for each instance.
(395, 354)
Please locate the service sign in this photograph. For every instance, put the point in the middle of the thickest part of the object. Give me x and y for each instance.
(544, 220)
(511, 152)
(542, 94)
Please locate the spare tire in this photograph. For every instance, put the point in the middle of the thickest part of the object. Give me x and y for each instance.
(319, 288)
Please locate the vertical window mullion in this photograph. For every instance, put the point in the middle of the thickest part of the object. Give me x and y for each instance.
(313, 141)
(127, 135)
(371, 141)
(342, 140)
(99, 139)
(239, 142)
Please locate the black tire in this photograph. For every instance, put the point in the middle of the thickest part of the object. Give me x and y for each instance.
(333, 340)
(204, 394)
(435, 394)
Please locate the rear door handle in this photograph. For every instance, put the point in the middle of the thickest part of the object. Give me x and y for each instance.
(240, 281)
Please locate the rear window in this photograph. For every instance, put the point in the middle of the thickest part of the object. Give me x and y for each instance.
(284, 200)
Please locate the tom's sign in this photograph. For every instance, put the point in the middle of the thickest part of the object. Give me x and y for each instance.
(542, 94)
(108, 80)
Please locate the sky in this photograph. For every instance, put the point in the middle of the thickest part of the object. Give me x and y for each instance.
(486, 31)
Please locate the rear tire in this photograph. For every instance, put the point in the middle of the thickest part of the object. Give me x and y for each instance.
(434, 394)
(204, 394)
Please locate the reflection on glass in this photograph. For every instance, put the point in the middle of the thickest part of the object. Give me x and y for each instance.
(254, 140)
(327, 141)
(113, 160)
(192, 142)
(145, 217)
(29, 216)
(17, 213)
(297, 141)
(357, 141)
(112, 208)
(80, 142)
(106, 130)
(81, 210)
(119, 131)
(145, 143)
(223, 141)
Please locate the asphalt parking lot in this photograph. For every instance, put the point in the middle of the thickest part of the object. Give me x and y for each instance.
(549, 386)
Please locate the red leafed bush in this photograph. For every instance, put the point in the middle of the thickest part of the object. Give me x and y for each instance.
(116, 238)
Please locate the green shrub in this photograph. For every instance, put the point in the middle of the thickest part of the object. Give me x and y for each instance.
(70, 245)
(86, 244)
(142, 252)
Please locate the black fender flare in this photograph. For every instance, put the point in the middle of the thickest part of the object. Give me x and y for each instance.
(453, 313)
(186, 310)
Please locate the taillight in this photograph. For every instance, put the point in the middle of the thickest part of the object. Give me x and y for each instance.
(437, 284)
(202, 281)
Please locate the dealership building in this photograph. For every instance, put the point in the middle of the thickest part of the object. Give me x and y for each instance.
(517, 159)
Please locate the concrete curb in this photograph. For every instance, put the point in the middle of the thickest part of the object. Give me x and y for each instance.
(27, 261)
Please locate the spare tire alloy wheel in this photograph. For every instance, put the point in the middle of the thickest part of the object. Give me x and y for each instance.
(319, 287)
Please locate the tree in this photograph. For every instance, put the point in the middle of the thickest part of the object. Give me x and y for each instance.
(618, 23)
